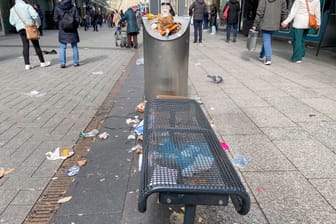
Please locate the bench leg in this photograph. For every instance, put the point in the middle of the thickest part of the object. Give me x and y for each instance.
(189, 214)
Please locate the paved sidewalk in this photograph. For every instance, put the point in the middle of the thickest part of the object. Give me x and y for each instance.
(282, 117)
(34, 125)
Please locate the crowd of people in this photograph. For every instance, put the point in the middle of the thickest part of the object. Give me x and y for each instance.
(269, 16)
(67, 19)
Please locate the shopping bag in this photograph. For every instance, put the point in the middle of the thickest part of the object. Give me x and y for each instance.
(252, 38)
(32, 32)
(313, 22)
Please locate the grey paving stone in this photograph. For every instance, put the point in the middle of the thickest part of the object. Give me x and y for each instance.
(26, 197)
(249, 101)
(228, 215)
(268, 117)
(16, 182)
(327, 187)
(325, 132)
(323, 105)
(15, 214)
(308, 117)
(300, 151)
(233, 123)
(262, 153)
(286, 133)
(287, 197)
(289, 104)
(6, 196)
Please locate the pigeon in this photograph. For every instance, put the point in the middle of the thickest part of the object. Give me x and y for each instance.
(216, 78)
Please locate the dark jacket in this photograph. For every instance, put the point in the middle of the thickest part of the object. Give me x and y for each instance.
(197, 9)
(233, 13)
(270, 13)
(213, 18)
(130, 17)
(61, 7)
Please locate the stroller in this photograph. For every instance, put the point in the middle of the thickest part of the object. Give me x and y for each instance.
(121, 36)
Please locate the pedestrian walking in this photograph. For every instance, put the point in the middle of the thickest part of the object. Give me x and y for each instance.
(232, 19)
(116, 19)
(132, 27)
(269, 15)
(94, 19)
(67, 18)
(41, 15)
(197, 10)
(213, 19)
(300, 27)
(206, 21)
(21, 14)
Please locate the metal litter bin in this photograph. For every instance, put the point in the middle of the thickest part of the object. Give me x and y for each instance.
(166, 59)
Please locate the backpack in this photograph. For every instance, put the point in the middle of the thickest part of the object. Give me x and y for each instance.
(68, 22)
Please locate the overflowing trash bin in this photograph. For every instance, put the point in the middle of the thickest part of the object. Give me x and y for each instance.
(166, 57)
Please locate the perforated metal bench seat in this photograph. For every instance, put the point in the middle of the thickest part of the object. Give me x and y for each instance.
(183, 160)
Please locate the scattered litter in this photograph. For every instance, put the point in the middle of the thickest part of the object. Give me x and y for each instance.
(140, 162)
(140, 107)
(260, 189)
(131, 137)
(200, 219)
(82, 163)
(98, 73)
(176, 218)
(140, 61)
(215, 78)
(54, 178)
(89, 134)
(59, 154)
(80, 214)
(133, 122)
(72, 171)
(197, 64)
(212, 108)
(134, 148)
(240, 161)
(139, 150)
(139, 128)
(224, 146)
(140, 138)
(104, 135)
(102, 180)
(312, 115)
(35, 93)
(5, 171)
(116, 136)
(65, 199)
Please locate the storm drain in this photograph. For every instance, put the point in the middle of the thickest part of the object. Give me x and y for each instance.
(46, 206)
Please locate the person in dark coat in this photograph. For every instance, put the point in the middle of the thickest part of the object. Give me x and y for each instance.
(94, 19)
(213, 19)
(197, 10)
(232, 19)
(132, 27)
(68, 36)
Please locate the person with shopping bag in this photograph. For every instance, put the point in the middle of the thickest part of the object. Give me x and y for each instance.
(22, 15)
(231, 9)
(300, 14)
(269, 15)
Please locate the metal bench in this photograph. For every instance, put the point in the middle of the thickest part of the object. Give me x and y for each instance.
(184, 162)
